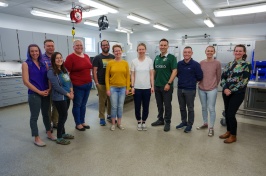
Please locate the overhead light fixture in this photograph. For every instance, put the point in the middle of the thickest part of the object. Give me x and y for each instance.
(94, 12)
(91, 23)
(3, 4)
(192, 6)
(99, 5)
(161, 27)
(124, 30)
(138, 19)
(48, 14)
(257, 8)
(208, 22)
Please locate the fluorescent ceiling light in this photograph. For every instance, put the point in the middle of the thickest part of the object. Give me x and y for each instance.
(99, 5)
(161, 27)
(208, 22)
(124, 30)
(258, 8)
(192, 6)
(48, 14)
(138, 19)
(94, 12)
(91, 23)
(3, 4)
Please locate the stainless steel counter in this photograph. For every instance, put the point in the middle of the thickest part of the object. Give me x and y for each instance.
(255, 99)
(258, 85)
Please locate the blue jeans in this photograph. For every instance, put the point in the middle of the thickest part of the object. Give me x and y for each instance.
(208, 101)
(142, 97)
(37, 103)
(186, 101)
(118, 95)
(81, 95)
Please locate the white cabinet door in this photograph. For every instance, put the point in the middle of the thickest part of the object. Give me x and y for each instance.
(54, 38)
(1, 51)
(9, 41)
(38, 38)
(70, 43)
(62, 45)
(25, 39)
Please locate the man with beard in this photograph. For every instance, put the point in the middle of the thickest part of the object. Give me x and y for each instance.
(99, 67)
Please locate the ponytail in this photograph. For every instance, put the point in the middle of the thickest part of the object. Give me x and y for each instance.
(244, 57)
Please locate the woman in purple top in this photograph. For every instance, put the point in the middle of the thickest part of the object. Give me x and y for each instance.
(34, 77)
(208, 88)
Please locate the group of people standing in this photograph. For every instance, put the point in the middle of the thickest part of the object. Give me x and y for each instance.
(71, 80)
(47, 73)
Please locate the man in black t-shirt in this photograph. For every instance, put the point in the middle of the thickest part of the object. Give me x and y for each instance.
(99, 67)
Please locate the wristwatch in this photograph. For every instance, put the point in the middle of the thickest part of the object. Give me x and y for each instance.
(131, 86)
(169, 84)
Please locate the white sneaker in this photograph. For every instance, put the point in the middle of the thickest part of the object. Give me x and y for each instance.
(144, 127)
(120, 127)
(112, 128)
(139, 127)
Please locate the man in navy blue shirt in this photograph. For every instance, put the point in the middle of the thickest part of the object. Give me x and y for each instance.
(189, 73)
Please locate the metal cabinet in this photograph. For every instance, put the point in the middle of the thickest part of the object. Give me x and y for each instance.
(38, 38)
(62, 45)
(25, 38)
(12, 91)
(9, 50)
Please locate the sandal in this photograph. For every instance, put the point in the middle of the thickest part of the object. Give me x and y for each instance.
(62, 141)
(68, 136)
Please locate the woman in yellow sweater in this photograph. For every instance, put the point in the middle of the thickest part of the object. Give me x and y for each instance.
(117, 80)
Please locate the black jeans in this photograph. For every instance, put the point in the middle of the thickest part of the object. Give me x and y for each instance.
(231, 105)
(62, 108)
(164, 103)
(142, 97)
(186, 101)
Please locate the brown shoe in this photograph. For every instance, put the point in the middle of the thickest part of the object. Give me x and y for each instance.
(231, 139)
(225, 135)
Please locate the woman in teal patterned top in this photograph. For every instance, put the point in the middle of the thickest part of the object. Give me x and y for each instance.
(234, 81)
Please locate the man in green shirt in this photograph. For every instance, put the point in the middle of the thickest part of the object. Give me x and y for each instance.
(165, 70)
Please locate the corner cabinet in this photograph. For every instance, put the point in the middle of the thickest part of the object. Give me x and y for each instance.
(9, 50)
(12, 91)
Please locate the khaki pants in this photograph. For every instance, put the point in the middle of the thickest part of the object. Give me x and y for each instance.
(103, 100)
(53, 114)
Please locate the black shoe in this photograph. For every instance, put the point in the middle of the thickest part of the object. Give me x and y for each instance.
(80, 129)
(157, 123)
(167, 127)
(86, 126)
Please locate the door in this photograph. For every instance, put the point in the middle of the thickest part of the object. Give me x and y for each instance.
(25, 39)
(9, 41)
(62, 45)
(38, 38)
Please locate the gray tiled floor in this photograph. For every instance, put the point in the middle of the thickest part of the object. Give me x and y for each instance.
(99, 151)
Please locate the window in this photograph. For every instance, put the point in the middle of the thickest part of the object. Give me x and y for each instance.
(89, 45)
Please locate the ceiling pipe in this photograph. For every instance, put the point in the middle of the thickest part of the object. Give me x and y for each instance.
(127, 31)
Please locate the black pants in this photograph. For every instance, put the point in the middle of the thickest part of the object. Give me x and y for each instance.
(231, 105)
(186, 102)
(142, 98)
(164, 103)
(62, 108)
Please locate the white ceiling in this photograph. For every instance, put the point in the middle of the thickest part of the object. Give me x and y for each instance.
(171, 13)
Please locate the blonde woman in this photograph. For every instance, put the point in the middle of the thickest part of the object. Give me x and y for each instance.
(117, 80)
(142, 85)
